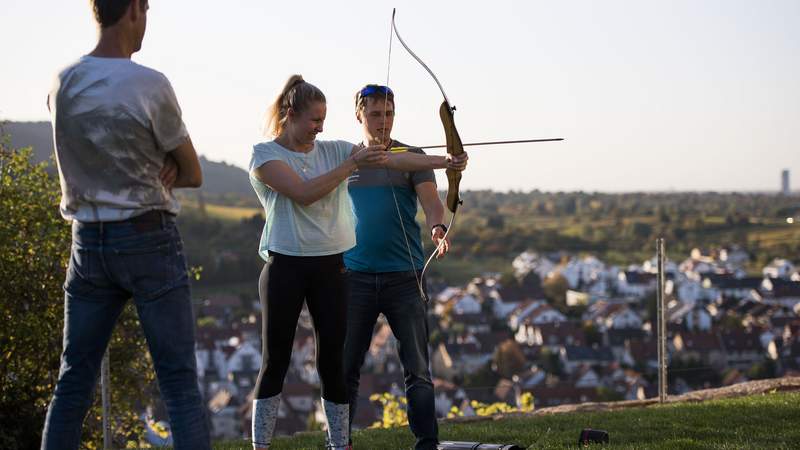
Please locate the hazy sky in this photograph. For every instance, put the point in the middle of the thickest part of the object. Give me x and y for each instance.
(650, 95)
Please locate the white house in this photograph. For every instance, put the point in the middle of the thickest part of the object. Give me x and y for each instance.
(467, 305)
(599, 288)
(531, 261)
(586, 377)
(448, 294)
(503, 309)
(651, 266)
(693, 316)
(623, 318)
(692, 291)
(244, 364)
(246, 358)
(545, 314)
(635, 284)
(616, 316)
(583, 272)
(526, 325)
(698, 263)
(212, 364)
(735, 257)
(522, 311)
(779, 268)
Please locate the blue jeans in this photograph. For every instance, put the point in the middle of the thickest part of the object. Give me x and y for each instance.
(110, 262)
(395, 294)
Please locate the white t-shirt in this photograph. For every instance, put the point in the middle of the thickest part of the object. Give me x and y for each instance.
(325, 227)
(113, 123)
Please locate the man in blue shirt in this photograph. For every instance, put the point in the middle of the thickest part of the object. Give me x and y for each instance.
(386, 263)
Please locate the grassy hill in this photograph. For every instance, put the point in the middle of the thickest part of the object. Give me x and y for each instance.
(765, 420)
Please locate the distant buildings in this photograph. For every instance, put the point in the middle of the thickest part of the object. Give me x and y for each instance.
(785, 189)
(495, 338)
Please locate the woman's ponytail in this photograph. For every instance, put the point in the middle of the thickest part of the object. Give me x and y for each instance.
(296, 94)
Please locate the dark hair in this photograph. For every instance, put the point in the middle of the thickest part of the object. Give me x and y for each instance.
(296, 94)
(108, 12)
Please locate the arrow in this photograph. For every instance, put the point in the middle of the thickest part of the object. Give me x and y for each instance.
(403, 149)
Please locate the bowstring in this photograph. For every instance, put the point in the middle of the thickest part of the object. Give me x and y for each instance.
(417, 276)
(443, 241)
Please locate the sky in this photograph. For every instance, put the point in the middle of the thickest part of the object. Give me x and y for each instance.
(649, 95)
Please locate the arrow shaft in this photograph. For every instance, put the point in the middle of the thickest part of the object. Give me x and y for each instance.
(521, 141)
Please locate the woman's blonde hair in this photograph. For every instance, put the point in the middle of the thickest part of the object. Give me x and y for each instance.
(296, 94)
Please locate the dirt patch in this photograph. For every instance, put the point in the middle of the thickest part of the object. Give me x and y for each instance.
(737, 390)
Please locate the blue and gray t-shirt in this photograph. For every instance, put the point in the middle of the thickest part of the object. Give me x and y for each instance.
(380, 246)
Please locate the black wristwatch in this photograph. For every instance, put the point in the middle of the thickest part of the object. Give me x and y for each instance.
(439, 225)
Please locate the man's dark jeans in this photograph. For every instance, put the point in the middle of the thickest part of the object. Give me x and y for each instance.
(143, 259)
(395, 294)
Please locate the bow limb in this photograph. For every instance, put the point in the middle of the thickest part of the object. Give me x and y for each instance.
(414, 55)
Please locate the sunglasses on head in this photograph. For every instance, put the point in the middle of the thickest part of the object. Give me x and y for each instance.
(375, 89)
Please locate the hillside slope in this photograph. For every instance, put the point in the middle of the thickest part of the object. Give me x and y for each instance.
(219, 177)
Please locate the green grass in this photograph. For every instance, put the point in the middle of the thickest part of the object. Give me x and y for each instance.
(462, 270)
(756, 422)
(223, 212)
(232, 212)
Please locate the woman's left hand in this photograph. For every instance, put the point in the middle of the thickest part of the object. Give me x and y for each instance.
(372, 156)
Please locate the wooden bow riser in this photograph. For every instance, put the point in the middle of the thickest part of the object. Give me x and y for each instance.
(454, 147)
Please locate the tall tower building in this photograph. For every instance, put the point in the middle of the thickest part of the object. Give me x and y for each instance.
(785, 189)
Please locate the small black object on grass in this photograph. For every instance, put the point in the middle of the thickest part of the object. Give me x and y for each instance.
(590, 436)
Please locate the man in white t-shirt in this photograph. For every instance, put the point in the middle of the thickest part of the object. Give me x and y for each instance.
(121, 147)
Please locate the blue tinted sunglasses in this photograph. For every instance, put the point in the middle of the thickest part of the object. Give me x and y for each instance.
(374, 89)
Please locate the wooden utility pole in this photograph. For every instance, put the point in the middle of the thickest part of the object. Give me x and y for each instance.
(105, 387)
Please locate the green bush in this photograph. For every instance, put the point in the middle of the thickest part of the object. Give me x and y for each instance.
(34, 251)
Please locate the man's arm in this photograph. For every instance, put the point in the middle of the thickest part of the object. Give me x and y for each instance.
(431, 204)
(434, 214)
(187, 165)
(413, 162)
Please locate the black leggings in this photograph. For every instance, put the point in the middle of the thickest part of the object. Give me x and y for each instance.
(285, 282)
